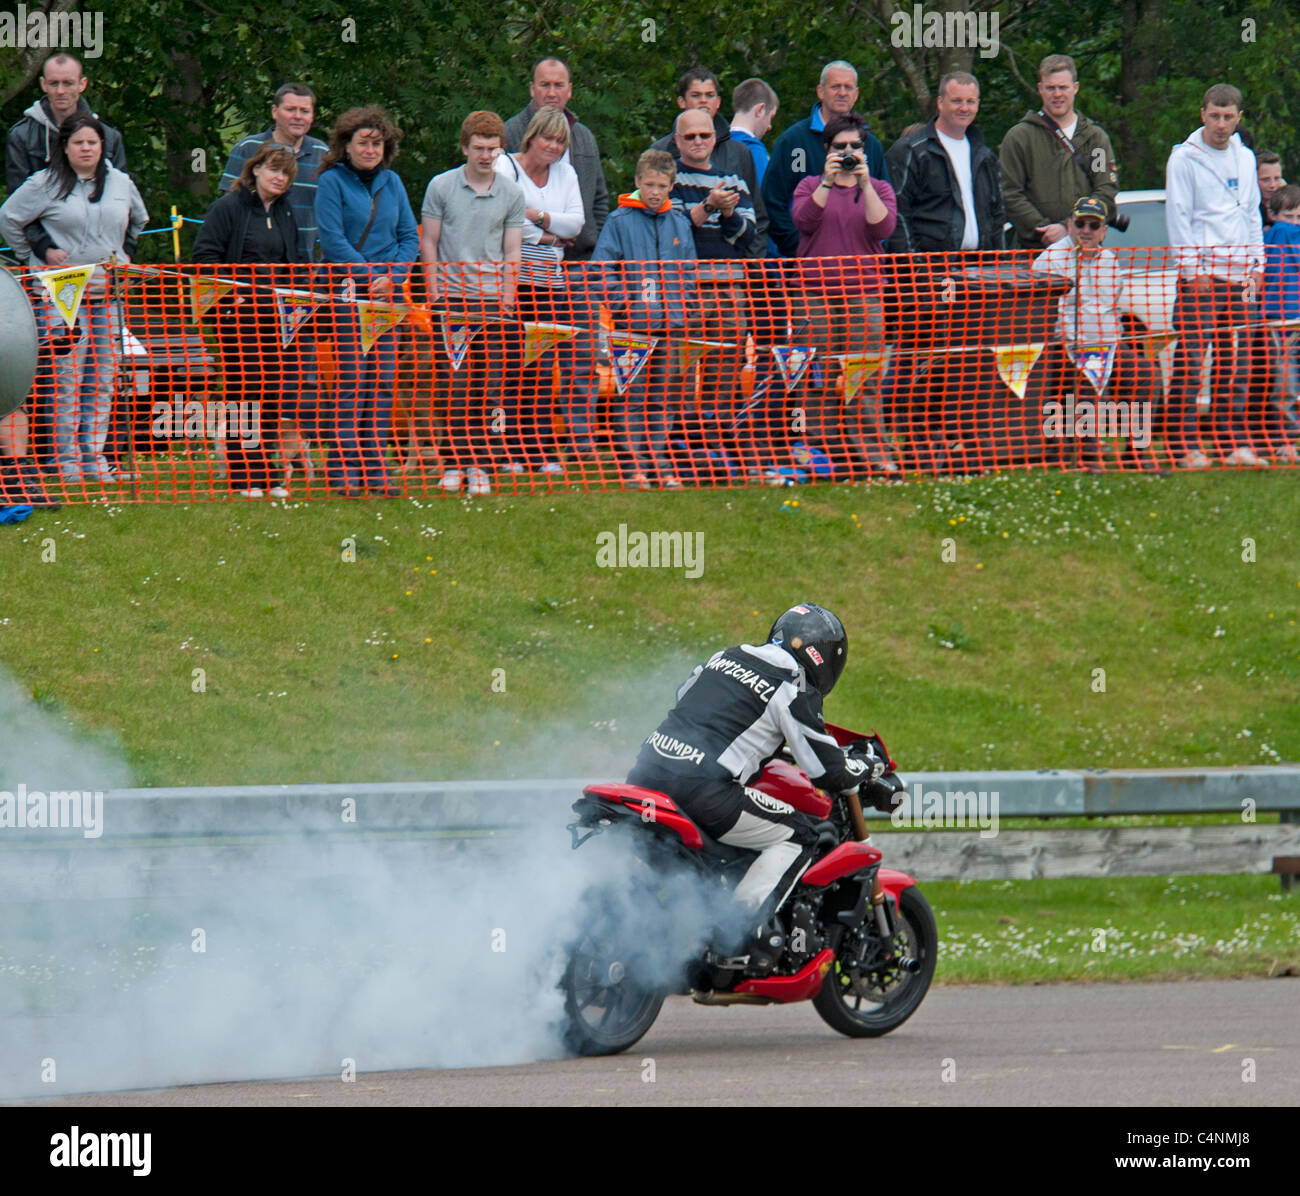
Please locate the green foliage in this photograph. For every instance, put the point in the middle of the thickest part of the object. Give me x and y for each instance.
(177, 77)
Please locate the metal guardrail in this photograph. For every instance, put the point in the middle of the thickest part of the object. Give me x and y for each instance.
(451, 805)
(188, 843)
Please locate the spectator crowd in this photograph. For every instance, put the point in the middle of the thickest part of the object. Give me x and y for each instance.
(724, 259)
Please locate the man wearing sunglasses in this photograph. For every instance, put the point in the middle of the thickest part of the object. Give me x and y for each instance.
(1090, 331)
(697, 91)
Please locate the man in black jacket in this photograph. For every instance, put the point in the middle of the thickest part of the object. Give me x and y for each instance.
(948, 182)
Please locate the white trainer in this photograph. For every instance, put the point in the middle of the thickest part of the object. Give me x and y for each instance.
(451, 480)
(478, 483)
(1245, 456)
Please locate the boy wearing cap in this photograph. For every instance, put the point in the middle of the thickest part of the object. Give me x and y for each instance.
(1090, 320)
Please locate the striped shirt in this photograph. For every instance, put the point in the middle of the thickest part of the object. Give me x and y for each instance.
(302, 195)
(717, 236)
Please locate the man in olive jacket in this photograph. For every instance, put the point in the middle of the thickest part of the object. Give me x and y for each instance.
(551, 88)
(1042, 176)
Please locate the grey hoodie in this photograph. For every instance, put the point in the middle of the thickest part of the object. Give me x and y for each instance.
(31, 142)
(90, 232)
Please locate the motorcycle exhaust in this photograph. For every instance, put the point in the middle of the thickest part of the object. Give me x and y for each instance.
(714, 998)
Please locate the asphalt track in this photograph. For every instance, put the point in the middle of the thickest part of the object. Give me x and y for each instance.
(1188, 1043)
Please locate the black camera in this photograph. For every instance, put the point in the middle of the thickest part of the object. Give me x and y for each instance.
(848, 161)
(1119, 221)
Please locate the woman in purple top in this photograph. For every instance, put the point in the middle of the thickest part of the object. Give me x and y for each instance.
(846, 216)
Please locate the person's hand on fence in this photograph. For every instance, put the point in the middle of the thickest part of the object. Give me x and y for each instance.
(56, 257)
(381, 286)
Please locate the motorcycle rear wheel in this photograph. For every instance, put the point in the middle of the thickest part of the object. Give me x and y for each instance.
(608, 1009)
(865, 1003)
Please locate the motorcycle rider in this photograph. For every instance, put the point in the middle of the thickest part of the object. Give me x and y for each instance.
(732, 716)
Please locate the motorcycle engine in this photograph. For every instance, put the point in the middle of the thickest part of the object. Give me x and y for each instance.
(804, 939)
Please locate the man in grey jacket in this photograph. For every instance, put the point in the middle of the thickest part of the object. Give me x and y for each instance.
(28, 147)
(551, 87)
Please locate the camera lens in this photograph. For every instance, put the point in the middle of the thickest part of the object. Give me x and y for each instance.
(1120, 222)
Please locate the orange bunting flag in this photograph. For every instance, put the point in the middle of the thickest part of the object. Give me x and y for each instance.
(689, 352)
(378, 318)
(207, 291)
(1155, 344)
(1015, 363)
(858, 367)
(540, 337)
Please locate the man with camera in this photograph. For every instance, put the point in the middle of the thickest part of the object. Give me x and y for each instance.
(1053, 158)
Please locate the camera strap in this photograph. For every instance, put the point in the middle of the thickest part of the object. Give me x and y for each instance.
(1069, 147)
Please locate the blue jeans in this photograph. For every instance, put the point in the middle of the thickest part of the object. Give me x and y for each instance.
(84, 381)
(362, 420)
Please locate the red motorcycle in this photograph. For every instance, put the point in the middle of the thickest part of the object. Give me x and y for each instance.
(856, 939)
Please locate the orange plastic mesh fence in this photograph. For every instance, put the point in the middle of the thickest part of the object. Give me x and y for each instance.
(187, 383)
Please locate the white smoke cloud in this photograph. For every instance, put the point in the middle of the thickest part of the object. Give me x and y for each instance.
(40, 748)
(391, 953)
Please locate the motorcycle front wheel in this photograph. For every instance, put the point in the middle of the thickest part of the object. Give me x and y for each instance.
(607, 1006)
(871, 989)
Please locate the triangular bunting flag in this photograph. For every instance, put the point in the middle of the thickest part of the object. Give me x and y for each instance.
(456, 336)
(1094, 362)
(207, 291)
(294, 310)
(1154, 345)
(628, 355)
(540, 337)
(378, 318)
(688, 352)
(858, 367)
(792, 361)
(1014, 365)
(66, 288)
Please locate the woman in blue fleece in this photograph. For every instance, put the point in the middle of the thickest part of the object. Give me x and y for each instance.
(368, 229)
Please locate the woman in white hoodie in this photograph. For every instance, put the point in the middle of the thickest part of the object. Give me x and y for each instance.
(91, 211)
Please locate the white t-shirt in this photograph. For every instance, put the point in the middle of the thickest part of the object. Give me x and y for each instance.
(958, 151)
(1068, 130)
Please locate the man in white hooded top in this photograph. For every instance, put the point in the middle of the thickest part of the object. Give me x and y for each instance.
(1212, 215)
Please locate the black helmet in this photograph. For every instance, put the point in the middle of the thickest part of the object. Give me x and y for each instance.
(816, 639)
